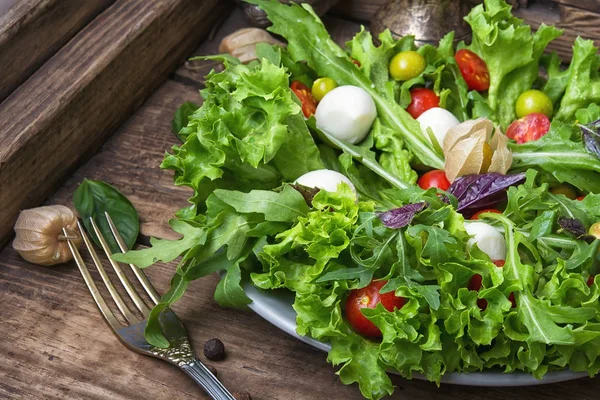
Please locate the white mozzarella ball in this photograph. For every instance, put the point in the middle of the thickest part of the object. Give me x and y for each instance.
(439, 120)
(324, 179)
(488, 239)
(347, 113)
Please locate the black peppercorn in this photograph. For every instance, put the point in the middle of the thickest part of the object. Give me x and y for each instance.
(214, 350)
(242, 396)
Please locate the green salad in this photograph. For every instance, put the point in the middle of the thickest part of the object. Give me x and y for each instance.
(436, 210)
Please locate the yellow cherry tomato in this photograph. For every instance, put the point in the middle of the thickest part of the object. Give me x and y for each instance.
(564, 189)
(407, 65)
(321, 87)
(534, 101)
(595, 230)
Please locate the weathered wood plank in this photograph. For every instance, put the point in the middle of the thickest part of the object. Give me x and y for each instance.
(33, 30)
(71, 104)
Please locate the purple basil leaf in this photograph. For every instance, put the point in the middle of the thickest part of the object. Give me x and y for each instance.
(307, 192)
(592, 143)
(576, 228)
(400, 217)
(592, 128)
(476, 192)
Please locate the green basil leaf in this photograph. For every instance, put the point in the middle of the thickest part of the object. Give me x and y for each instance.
(93, 198)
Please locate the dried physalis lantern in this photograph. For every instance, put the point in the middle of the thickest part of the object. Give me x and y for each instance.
(474, 147)
(242, 43)
(39, 234)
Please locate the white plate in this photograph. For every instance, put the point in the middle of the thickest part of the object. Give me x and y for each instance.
(276, 307)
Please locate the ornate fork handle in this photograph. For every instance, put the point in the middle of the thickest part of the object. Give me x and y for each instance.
(199, 373)
(182, 355)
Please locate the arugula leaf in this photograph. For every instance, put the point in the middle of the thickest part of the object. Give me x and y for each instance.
(559, 155)
(165, 250)
(285, 206)
(93, 199)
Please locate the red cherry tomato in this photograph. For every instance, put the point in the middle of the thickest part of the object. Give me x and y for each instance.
(435, 178)
(491, 210)
(590, 280)
(530, 127)
(580, 198)
(499, 263)
(473, 69)
(309, 105)
(422, 99)
(369, 297)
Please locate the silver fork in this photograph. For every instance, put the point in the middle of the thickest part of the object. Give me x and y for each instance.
(180, 353)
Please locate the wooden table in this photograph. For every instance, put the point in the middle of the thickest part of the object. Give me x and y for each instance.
(55, 344)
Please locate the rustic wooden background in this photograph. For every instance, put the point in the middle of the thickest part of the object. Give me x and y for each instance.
(54, 343)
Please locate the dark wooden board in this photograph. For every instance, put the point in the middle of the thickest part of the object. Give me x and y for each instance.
(68, 108)
(33, 30)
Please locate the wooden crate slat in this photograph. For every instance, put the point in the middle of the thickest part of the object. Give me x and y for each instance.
(33, 30)
(68, 108)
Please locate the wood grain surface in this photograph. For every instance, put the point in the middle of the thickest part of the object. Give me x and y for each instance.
(33, 30)
(67, 109)
(55, 345)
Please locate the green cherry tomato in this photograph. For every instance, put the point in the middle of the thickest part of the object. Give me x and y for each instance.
(407, 65)
(533, 101)
(321, 87)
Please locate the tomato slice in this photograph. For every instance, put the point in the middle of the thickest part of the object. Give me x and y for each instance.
(473, 69)
(309, 105)
(422, 99)
(436, 178)
(369, 297)
(530, 127)
(478, 213)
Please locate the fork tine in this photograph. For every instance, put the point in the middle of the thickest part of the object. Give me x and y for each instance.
(148, 287)
(122, 277)
(108, 314)
(111, 289)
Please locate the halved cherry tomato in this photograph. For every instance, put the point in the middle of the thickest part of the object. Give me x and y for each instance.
(369, 297)
(422, 99)
(435, 178)
(473, 69)
(309, 105)
(478, 213)
(531, 127)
